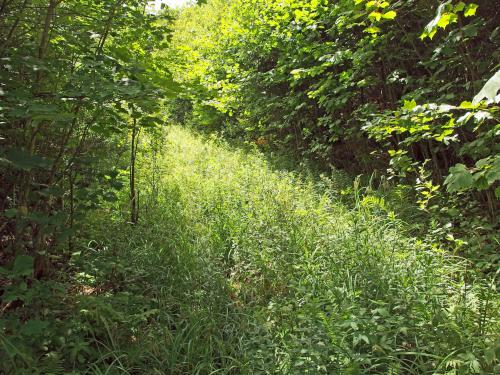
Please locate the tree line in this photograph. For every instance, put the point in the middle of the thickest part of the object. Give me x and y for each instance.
(79, 80)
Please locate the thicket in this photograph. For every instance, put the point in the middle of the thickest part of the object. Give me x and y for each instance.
(78, 81)
(407, 89)
(128, 248)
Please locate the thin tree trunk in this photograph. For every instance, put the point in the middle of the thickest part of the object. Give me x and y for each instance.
(25, 184)
(62, 147)
(71, 209)
(133, 193)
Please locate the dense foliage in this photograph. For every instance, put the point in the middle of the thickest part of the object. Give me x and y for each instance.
(77, 79)
(388, 86)
(129, 247)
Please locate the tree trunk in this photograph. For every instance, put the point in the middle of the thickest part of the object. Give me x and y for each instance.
(133, 194)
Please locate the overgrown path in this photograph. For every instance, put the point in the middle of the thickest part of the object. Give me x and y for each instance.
(239, 268)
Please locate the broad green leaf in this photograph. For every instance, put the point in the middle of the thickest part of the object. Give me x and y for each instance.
(21, 159)
(360, 338)
(371, 4)
(468, 105)
(483, 163)
(432, 33)
(459, 178)
(375, 15)
(446, 19)
(480, 181)
(23, 265)
(390, 15)
(409, 104)
(459, 7)
(493, 173)
(470, 10)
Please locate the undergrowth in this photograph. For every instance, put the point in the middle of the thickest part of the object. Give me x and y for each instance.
(238, 268)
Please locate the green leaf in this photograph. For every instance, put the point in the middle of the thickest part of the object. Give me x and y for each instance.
(21, 159)
(390, 15)
(475, 366)
(297, 72)
(446, 19)
(371, 4)
(375, 15)
(23, 265)
(483, 163)
(459, 7)
(470, 10)
(10, 213)
(459, 178)
(372, 30)
(493, 173)
(409, 104)
(480, 181)
(432, 33)
(468, 105)
(33, 327)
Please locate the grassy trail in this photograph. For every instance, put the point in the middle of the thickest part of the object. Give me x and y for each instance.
(247, 270)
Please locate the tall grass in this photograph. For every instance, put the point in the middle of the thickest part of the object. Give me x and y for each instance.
(250, 270)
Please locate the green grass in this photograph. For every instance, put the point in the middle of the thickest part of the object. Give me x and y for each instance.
(292, 281)
(237, 268)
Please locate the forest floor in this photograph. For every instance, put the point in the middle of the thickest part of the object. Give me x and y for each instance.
(236, 267)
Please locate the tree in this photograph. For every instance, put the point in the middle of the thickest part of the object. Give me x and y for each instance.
(70, 73)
